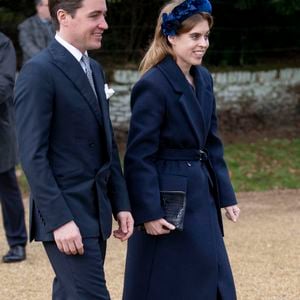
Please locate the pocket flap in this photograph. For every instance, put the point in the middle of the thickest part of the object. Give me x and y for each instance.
(170, 182)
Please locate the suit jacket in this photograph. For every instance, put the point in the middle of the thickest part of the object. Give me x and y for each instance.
(168, 115)
(67, 147)
(8, 146)
(34, 36)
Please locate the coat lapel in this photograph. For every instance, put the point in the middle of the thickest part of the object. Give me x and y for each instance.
(191, 105)
(204, 96)
(72, 70)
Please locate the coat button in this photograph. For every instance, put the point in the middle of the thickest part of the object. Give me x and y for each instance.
(91, 145)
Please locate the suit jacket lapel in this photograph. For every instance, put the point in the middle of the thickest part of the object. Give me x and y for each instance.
(188, 99)
(72, 69)
(103, 102)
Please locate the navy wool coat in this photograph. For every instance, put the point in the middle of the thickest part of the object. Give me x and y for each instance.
(8, 142)
(170, 123)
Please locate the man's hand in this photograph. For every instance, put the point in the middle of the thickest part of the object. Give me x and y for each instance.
(68, 239)
(125, 229)
(157, 227)
(232, 213)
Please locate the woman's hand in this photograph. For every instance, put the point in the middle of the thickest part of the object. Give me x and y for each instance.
(158, 227)
(125, 229)
(232, 213)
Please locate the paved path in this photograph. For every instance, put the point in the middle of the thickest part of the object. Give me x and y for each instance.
(264, 248)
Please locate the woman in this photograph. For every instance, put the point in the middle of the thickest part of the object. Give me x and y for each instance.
(174, 153)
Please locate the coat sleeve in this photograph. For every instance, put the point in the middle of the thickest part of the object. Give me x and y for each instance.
(117, 190)
(26, 38)
(34, 107)
(8, 70)
(148, 110)
(216, 155)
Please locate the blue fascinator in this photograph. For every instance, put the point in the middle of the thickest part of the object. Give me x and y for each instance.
(171, 22)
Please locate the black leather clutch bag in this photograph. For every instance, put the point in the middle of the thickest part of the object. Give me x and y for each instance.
(174, 203)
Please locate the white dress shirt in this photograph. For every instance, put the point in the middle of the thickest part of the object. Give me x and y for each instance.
(74, 51)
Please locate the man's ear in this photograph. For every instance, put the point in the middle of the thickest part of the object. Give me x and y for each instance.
(172, 39)
(62, 17)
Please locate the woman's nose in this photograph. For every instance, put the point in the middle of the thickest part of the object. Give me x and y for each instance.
(204, 42)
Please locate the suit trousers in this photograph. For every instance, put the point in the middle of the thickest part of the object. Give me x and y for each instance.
(12, 209)
(79, 277)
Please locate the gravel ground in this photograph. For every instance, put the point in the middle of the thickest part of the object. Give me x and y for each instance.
(264, 249)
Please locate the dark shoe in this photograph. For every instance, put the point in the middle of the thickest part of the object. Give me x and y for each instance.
(15, 254)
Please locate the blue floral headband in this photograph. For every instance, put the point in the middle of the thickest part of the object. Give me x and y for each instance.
(171, 22)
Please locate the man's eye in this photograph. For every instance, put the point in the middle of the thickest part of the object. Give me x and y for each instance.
(95, 15)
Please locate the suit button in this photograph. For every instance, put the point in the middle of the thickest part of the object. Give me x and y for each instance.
(91, 145)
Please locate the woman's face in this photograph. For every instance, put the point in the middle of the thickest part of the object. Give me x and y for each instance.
(191, 46)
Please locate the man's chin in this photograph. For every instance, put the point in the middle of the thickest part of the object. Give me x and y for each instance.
(95, 45)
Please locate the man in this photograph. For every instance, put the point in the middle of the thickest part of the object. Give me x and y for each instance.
(10, 196)
(69, 154)
(36, 32)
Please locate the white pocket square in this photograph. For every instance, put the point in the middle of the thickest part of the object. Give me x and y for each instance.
(108, 91)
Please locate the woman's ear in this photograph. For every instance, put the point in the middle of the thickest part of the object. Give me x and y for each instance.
(172, 39)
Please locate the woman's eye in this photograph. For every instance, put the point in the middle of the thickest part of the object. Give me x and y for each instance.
(198, 36)
(195, 36)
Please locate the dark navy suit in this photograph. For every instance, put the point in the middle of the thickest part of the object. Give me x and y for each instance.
(70, 158)
(170, 123)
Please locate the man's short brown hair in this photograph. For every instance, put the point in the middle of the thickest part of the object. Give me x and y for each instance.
(70, 6)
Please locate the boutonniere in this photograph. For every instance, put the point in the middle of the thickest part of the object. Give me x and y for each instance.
(108, 91)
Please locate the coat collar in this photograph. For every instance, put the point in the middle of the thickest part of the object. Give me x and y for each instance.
(67, 63)
(195, 104)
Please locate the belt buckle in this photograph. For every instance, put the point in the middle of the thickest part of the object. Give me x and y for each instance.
(203, 155)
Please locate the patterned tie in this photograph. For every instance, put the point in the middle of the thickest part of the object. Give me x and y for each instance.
(86, 61)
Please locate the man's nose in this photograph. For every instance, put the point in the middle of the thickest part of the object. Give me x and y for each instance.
(103, 24)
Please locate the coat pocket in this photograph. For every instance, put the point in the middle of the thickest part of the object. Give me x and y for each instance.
(173, 198)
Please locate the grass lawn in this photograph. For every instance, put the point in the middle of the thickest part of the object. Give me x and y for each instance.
(264, 165)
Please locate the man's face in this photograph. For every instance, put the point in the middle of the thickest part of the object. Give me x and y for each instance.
(43, 10)
(84, 30)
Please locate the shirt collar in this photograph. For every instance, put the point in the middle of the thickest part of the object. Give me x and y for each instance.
(74, 51)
